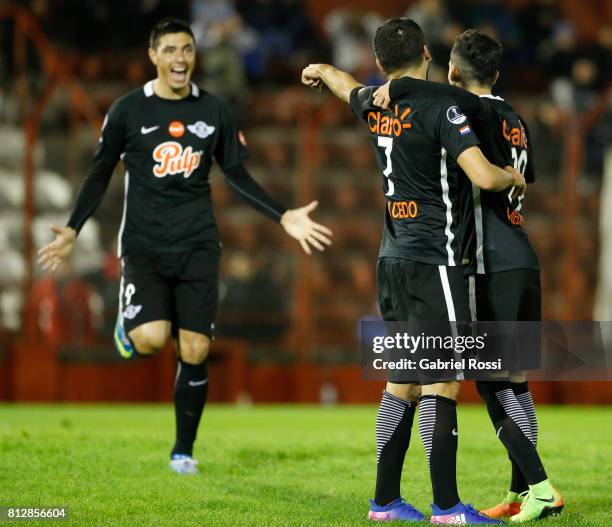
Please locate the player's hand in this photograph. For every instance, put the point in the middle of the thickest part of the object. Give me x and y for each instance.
(519, 184)
(382, 99)
(57, 251)
(298, 225)
(311, 77)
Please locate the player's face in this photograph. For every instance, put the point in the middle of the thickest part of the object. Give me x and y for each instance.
(174, 58)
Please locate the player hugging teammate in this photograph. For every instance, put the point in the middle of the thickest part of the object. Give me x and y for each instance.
(428, 147)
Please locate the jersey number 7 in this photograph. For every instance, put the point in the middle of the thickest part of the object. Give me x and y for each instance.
(387, 144)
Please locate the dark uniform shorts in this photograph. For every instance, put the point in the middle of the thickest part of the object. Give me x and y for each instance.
(180, 287)
(424, 296)
(507, 295)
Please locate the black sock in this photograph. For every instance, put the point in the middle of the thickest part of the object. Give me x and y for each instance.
(513, 430)
(438, 429)
(518, 483)
(393, 428)
(190, 392)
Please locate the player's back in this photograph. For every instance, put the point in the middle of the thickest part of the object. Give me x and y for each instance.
(416, 144)
(502, 241)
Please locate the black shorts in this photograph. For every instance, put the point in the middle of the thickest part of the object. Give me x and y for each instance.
(416, 292)
(506, 295)
(182, 288)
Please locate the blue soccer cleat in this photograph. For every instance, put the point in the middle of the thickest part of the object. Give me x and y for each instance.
(396, 510)
(183, 464)
(460, 514)
(123, 345)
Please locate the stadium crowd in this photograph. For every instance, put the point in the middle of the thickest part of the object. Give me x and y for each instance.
(251, 53)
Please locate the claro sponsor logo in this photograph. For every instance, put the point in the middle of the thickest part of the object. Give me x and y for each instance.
(381, 123)
(172, 159)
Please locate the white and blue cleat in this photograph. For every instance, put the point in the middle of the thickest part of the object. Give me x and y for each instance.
(183, 464)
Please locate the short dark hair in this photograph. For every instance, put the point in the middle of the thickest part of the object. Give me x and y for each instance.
(477, 56)
(398, 44)
(168, 25)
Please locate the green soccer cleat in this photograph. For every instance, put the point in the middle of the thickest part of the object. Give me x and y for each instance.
(540, 507)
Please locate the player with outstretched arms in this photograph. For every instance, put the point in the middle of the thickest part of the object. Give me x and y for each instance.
(503, 269)
(168, 133)
(418, 144)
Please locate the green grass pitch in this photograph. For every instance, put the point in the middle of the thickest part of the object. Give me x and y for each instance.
(270, 465)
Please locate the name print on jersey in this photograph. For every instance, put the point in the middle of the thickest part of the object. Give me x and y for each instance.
(382, 124)
(172, 159)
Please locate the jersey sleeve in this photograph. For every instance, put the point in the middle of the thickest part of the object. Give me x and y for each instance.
(110, 148)
(231, 148)
(473, 106)
(360, 101)
(452, 128)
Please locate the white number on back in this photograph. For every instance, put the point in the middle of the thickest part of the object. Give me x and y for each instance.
(387, 144)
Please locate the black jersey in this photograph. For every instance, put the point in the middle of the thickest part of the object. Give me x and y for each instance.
(416, 144)
(494, 239)
(167, 147)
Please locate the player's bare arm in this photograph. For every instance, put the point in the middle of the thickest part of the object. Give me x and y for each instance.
(488, 176)
(339, 82)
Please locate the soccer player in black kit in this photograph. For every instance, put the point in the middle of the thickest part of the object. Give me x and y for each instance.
(504, 273)
(167, 133)
(418, 144)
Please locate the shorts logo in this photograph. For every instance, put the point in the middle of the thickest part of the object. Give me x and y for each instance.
(176, 129)
(242, 138)
(201, 129)
(131, 312)
(455, 116)
(172, 159)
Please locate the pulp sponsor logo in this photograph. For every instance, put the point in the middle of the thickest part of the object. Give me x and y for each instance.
(515, 217)
(403, 210)
(381, 123)
(176, 129)
(172, 159)
(515, 136)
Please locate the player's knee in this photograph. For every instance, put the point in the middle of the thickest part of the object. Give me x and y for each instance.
(148, 340)
(194, 348)
(407, 392)
(450, 389)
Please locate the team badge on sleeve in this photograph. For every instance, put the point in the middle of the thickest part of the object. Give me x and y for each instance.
(455, 115)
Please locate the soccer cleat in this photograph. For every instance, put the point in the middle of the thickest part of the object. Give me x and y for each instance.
(460, 514)
(509, 507)
(183, 464)
(537, 508)
(123, 345)
(396, 510)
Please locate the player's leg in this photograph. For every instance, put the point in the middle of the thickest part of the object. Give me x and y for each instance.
(394, 417)
(508, 416)
(143, 320)
(195, 303)
(447, 289)
(190, 395)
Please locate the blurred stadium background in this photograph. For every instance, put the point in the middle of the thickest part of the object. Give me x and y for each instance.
(288, 324)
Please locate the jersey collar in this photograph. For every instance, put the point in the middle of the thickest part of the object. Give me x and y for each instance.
(491, 97)
(149, 91)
